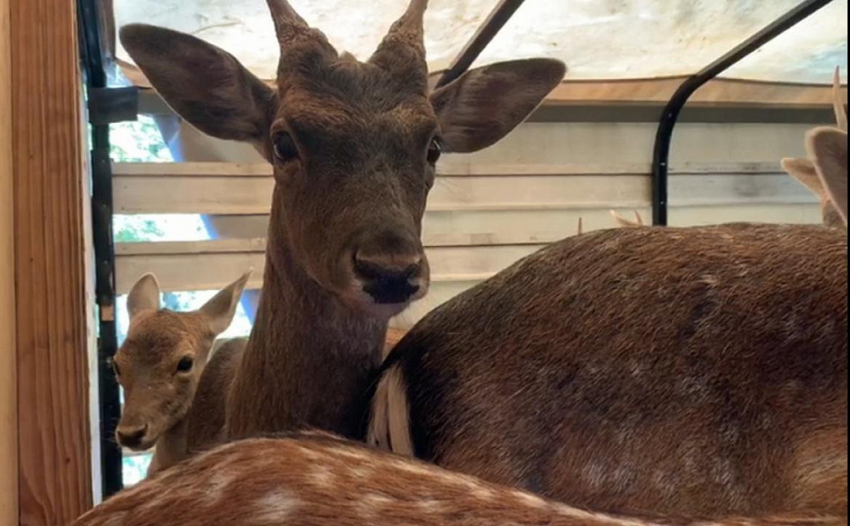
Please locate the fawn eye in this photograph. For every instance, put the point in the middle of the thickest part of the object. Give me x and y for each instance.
(284, 147)
(185, 364)
(435, 149)
(116, 368)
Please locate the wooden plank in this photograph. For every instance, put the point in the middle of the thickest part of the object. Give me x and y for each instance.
(453, 168)
(197, 266)
(8, 365)
(251, 196)
(54, 442)
(209, 265)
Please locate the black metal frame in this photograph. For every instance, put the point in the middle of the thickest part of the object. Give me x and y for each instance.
(664, 135)
(661, 150)
(113, 105)
(105, 106)
(500, 15)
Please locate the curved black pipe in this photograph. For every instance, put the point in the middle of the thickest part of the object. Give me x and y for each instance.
(664, 134)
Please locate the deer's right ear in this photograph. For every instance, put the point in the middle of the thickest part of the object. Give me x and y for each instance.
(803, 170)
(221, 308)
(202, 83)
(144, 296)
(827, 148)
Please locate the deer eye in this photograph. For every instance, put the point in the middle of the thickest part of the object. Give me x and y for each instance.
(435, 149)
(185, 364)
(284, 147)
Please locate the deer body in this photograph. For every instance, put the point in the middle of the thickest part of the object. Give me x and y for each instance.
(679, 370)
(316, 480)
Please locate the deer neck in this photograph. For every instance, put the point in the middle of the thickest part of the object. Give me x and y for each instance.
(170, 448)
(310, 359)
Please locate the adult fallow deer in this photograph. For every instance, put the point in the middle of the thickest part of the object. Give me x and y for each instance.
(694, 371)
(354, 147)
(316, 480)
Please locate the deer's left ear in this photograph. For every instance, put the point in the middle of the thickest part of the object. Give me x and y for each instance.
(144, 296)
(485, 104)
(221, 308)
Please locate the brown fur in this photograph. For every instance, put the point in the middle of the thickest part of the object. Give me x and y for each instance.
(317, 480)
(206, 419)
(158, 394)
(319, 332)
(679, 370)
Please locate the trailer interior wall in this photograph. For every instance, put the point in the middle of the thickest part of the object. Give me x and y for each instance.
(487, 209)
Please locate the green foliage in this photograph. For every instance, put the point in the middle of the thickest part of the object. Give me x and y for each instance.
(134, 229)
(138, 142)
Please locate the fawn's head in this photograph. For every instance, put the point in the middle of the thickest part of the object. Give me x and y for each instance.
(353, 144)
(825, 170)
(160, 363)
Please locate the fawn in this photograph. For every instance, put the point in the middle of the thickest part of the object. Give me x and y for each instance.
(160, 364)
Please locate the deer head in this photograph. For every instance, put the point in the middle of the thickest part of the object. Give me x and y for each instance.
(823, 167)
(160, 363)
(353, 144)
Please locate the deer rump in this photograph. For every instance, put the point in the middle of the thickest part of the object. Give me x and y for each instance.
(698, 371)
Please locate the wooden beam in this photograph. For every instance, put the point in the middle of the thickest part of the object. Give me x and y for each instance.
(52, 354)
(210, 265)
(8, 387)
(234, 189)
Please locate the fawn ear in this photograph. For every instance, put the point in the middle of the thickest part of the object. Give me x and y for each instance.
(837, 103)
(827, 147)
(627, 223)
(803, 170)
(144, 296)
(221, 308)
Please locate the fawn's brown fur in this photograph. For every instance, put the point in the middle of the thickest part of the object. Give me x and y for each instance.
(316, 480)
(353, 145)
(680, 370)
(160, 364)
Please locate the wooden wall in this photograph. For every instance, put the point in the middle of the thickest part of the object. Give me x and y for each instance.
(8, 398)
(50, 264)
(487, 209)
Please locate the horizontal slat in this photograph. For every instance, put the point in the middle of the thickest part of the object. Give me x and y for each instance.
(222, 169)
(198, 266)
(210, 265)
(252, 196)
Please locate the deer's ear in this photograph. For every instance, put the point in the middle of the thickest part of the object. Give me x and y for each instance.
(202, 83)
(827, 148)
(221, 308)
(803, 170)
(485, 104)
(144, 296)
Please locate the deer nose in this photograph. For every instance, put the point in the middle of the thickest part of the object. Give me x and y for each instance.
(388, 277)
(131, 436)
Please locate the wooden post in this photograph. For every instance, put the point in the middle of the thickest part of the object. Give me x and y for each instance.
(8, 390)
(53, 415)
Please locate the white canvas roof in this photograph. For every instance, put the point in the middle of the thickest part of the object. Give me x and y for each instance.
(600, 40)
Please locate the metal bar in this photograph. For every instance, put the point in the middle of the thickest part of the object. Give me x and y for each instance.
(495, 21)
(661, 151)
(101, 202)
